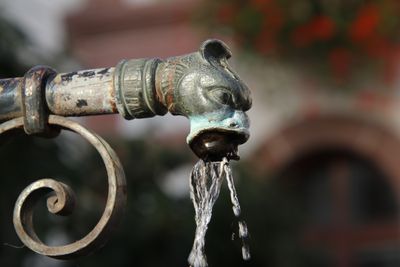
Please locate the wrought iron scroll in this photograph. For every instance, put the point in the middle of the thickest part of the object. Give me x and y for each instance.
(35, 120)
(63, 199)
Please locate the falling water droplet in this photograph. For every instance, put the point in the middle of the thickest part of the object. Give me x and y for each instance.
(205, 184)
(244, 235)
(243, 231)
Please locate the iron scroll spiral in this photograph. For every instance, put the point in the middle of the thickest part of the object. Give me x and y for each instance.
(62, 202)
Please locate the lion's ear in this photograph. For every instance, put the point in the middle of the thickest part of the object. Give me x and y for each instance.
(216, 49)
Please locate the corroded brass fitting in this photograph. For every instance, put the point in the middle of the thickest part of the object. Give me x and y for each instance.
(135, 91)
(203, 87)
(200, 86)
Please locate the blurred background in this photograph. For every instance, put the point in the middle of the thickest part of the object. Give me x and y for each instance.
(319, 179)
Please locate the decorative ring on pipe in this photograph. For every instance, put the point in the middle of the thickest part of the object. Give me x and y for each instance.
(34, 108)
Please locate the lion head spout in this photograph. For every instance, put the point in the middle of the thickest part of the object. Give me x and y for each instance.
(200, 86)
(203, 87)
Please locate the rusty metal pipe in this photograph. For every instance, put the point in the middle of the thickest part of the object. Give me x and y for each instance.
(10, 99)
(200, 86)
(128, 89)
(82, 93)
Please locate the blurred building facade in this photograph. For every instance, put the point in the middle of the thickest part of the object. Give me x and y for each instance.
(339, 149)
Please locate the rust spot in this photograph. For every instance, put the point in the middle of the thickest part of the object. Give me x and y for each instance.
(112, 100)
(169, 97)
(159, 93)
(171, 76)
(170, 101)
(81, 103)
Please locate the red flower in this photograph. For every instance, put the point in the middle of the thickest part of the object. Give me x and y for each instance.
(365, 25)
(302, 36)
(260, 3)
(378, 48)
(340, 61)
(272, 23)
(265, 43)
(322, 28)
(273, 19)
(226, 13)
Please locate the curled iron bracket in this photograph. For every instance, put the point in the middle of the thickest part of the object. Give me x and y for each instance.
(61, 202)
(33, 99)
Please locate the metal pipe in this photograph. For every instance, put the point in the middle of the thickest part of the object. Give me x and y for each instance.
(82, 93)
(88, 92)
(200, 86)
(128, 89)
(10, 98)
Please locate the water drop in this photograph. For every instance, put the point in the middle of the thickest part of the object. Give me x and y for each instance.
(205, 185)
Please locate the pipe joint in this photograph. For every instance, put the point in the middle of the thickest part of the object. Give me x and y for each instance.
(135, 91)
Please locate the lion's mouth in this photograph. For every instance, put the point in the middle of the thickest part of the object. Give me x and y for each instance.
(216, 144)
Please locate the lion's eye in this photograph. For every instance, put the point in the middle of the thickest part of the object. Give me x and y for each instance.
(222, 96)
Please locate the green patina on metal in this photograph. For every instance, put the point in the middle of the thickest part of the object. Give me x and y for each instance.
(200, 86)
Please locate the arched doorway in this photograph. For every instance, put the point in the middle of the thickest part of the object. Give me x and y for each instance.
(344, 176)
(350, 212)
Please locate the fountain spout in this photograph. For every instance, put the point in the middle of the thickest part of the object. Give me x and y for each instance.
(203, 87)
(200, 86)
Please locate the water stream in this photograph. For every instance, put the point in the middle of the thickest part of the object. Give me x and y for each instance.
(205, 184)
